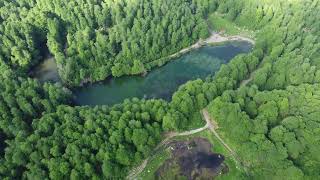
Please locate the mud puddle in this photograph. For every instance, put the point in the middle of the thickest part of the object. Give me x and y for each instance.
(192, 159)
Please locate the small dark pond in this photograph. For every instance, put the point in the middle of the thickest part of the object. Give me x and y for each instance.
(191, 160)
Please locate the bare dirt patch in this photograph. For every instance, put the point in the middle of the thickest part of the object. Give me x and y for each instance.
(192, 159)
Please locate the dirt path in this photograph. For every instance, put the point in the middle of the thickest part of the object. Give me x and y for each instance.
(213, 126)
(246, 81)
(210, 124)
(136, 171)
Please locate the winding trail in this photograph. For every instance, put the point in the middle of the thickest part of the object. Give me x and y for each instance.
(246, 81)
(136, 171)
(210, 124)
(213, 128)
(250, 78)
(213, 125)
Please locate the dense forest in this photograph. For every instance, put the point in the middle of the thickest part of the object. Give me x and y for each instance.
(279, 128)
(272, 121)
(99, 142)
(92, 39)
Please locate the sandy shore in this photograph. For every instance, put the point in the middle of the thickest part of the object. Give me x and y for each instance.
(214, 38)
(217, 38)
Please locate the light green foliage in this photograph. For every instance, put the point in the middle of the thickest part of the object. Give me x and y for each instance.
(137, 67)
(287, 140)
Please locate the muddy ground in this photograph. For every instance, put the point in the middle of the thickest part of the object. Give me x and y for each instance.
(192, 159)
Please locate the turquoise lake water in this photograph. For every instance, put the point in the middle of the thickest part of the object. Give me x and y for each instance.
(161, 82)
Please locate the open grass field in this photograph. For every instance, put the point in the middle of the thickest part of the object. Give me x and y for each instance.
(220, 24)
(234, 171)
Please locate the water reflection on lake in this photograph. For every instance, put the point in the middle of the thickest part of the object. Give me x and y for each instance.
(164, 81)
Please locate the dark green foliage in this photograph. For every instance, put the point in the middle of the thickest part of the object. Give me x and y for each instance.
(87, 142)
(19, 47)
(24, 99)
(91, 40)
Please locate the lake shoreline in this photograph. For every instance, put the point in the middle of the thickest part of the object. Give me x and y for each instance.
(162, 81)
(216, 38)
(212, 40)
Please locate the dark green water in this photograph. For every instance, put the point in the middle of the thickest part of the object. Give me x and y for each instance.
(164, 81)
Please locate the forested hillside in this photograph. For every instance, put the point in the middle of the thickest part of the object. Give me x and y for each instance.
(24, 99)
(273, 124)
(77, 142)
(276, 133)
(272, 120)
(92, 39)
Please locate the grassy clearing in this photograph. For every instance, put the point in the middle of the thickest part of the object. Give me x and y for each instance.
(154, 163)
(173, 173)
(235, 172)
(219, 23)
(163, 154)
(158, 159)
